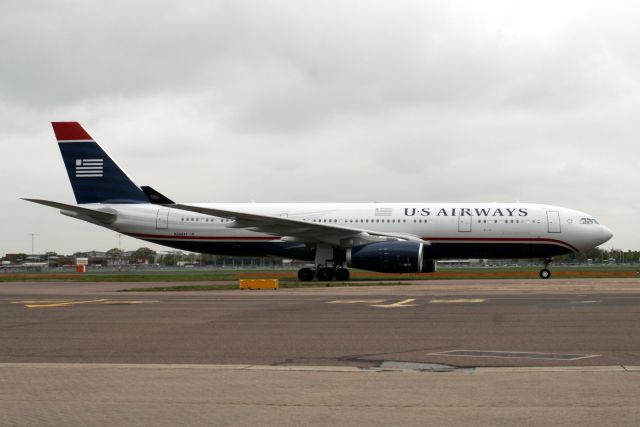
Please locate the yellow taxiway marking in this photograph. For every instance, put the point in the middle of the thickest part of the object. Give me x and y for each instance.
(357, 301)
(457, 301)
(42, 301)
(404, 303)
(65, 303)
(62, 303)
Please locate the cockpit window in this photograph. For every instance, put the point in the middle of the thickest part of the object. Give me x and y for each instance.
(588, 221)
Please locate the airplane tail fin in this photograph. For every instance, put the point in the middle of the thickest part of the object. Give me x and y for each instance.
(94, 176)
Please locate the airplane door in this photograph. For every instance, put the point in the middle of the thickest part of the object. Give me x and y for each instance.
(553, 221)
(464, 223)
(162, 219)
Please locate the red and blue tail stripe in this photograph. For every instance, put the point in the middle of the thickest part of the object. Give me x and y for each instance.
(94, 176)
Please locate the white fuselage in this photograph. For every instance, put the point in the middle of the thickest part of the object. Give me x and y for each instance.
(502, 230)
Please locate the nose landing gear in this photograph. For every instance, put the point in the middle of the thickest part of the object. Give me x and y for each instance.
(545, 273)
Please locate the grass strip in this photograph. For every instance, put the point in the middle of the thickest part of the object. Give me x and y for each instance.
(235, 275)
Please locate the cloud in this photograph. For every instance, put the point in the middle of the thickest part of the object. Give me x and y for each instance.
(332, 101)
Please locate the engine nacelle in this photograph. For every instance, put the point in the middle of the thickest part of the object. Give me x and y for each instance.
(387, 257)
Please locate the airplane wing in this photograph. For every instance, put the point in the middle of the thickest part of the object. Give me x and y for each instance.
(297, 230)
(98, 216)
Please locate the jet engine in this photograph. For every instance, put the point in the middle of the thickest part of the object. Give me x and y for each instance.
(387, 257)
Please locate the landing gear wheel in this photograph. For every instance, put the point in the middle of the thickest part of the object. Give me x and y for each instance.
(342, 274)
(306, 274)
(325, 274)
(545, 273)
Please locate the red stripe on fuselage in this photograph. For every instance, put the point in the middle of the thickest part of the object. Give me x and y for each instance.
(500, 240)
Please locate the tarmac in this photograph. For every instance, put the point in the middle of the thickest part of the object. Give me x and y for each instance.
(503, 352)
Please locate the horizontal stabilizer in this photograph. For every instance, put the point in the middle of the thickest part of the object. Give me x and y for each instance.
(155, 197)
(99, 216)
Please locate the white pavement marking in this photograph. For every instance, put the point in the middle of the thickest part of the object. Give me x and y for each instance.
(357, 301)
(535, 355)
(458, 301)
(399, 304)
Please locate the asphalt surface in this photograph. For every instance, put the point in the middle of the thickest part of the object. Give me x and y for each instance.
(179, 395)
(572, 322)
(506, 352)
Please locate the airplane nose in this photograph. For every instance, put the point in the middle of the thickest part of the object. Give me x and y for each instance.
(605, 234)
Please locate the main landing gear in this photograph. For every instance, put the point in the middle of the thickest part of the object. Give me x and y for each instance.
(306, 274)
(324, 274)
(327, 266)
(545, 273)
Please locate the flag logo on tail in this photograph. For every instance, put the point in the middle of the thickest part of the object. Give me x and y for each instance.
(89, 168)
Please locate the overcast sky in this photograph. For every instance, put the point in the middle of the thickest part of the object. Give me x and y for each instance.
(292, 101)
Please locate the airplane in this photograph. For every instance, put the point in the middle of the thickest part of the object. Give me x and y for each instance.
(332, 237)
